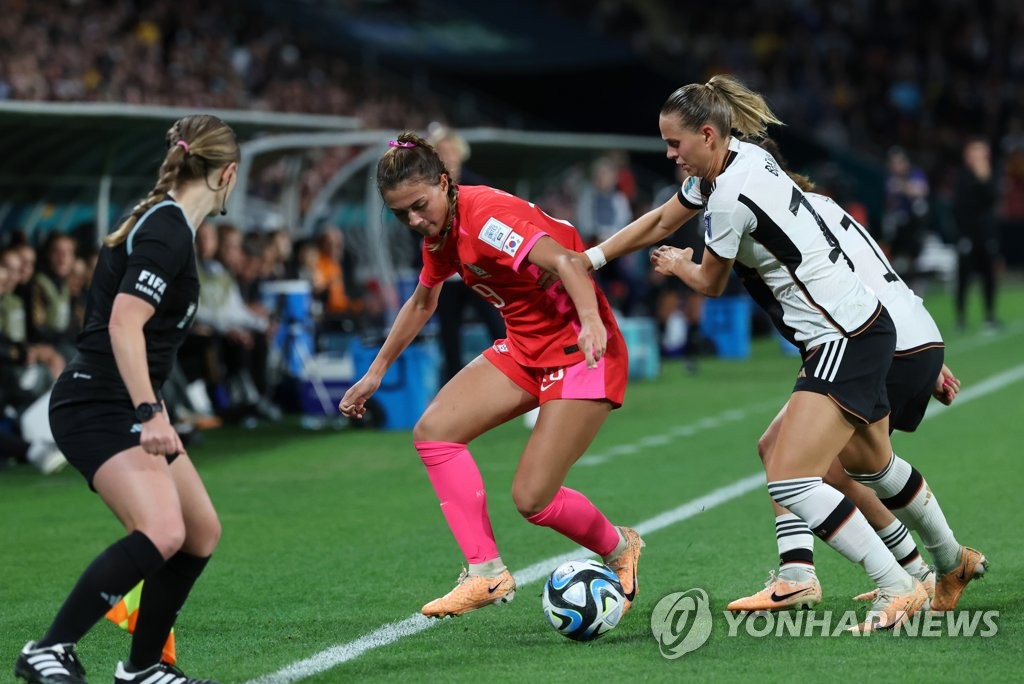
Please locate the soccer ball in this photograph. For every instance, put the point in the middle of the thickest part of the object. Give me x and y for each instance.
(583, 599)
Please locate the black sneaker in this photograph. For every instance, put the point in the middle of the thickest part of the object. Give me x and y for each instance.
(57, 664)
(161, 673)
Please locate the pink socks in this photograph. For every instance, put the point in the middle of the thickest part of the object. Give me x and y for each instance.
(571, 514)
(460, 489)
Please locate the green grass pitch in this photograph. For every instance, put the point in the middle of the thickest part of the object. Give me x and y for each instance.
(329, 536)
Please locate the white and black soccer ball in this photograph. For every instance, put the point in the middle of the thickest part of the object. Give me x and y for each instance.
(583, 599)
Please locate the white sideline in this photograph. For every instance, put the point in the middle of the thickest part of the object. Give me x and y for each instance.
(392, 632)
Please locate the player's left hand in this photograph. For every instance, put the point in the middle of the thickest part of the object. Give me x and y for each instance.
(666, 259)
(947, 386)
(593, 340)
(353, 404)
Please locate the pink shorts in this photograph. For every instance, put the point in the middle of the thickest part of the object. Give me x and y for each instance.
(606, 381)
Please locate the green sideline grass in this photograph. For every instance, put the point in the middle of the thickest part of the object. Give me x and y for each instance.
(329, 535)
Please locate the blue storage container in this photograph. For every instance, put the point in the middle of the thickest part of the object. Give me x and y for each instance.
(726, 322)
(641, 336)
(311, 403)
(409, 384)
(290, 302)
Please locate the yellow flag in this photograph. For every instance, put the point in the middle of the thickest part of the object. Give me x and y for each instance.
(126, 613)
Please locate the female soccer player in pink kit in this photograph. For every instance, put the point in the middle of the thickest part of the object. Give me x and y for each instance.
(563, 352)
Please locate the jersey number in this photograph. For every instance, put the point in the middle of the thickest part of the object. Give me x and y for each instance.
(847, 223)
(798, 200)
(492, 297)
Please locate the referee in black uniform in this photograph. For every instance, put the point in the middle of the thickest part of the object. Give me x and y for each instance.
(109, 420)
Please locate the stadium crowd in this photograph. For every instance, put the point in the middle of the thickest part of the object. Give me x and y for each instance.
(186, 53)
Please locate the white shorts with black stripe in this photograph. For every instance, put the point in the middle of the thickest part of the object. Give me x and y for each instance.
(852, 370)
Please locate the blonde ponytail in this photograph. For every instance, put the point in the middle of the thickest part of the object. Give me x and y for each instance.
(725, 103)
(195, 145)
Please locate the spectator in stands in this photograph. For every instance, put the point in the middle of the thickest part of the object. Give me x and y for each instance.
(39, 363)
(49, 302)
(906, 212)
(329, 284)
(456, 299)
(78, 285)
(28, 257)
(602, 209)
(974, 203)
(281, 265)
(228, 345)
(108, 419)
(23, 390)
(248, 327)
(679, 309)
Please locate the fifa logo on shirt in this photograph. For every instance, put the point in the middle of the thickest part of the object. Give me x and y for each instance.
(707, 224)
(151, 284)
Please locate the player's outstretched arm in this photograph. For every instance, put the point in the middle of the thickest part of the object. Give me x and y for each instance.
(654, 226)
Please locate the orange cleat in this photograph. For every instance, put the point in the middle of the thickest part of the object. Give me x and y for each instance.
(951, 585)
(625, 565)
(472, 593)
(927, 579)
(890, 610)
(780, 594)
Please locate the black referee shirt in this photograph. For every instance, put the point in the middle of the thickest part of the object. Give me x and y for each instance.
(157, 263)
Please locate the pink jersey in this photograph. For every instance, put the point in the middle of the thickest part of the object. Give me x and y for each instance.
(491, 236)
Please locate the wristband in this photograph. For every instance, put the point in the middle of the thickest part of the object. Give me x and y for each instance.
(596, 256)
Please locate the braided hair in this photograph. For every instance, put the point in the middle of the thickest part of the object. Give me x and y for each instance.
(195, 144)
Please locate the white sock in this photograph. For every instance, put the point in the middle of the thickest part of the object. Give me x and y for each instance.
(899, 540)
(796, 548)
(491, 568)
(835, 519)
(906, 493)
(619, 548)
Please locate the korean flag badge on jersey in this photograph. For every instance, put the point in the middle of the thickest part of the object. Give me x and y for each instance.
(512, 243)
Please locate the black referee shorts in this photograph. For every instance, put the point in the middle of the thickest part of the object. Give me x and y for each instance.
(910, 383)
(92, 416)
(852, 371)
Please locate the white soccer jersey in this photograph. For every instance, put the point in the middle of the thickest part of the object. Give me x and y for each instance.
(915, 327)
(755, 214)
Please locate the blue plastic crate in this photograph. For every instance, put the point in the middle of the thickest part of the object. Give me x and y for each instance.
(409, 384)
(726, 322)
(309, 397)
(641, 335)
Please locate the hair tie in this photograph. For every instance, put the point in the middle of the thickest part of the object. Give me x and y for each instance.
(405, 144)
(183, 145)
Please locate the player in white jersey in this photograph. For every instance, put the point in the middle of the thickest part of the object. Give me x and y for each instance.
(756, 217)
(916, 374)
